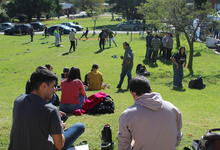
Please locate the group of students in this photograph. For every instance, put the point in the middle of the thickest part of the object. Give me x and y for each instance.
(106, 35)
(158, 43)
(73, 89)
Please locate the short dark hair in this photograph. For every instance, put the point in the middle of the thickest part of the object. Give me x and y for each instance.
(65, 69)
(95, 66)
(74, 74)
(48, 66)
(127, 44)
(140, 85)
(40, 76)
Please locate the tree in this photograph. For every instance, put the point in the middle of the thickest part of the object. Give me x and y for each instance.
(180, 15)
(93, 8)
(128, 8)
(31, 8)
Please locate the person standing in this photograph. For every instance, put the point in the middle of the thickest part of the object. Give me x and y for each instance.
(149, 50)
(169, 46)
(72, 38)
(156, 43)
(36, 123)
(31, 32)
(179, 61)
(111, 36)
(45, 32)
(151, 123)
(102, 36)
(127, 64)
(57, 37)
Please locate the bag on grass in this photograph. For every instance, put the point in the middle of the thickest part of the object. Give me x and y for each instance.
(196, 83)
(107, 143)
(141, 70)
(210, 141)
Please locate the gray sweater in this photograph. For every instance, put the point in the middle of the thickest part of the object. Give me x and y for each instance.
(150, 124)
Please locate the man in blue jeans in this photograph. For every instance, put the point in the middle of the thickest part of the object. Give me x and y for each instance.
(126, 65)
(35, 120)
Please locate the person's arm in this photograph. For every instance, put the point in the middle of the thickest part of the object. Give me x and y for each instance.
(56, 129)
(82, 89)
(59, 141)
(179, 126)
(124, 135)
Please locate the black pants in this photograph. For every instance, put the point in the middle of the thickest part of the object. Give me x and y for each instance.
(168, 54)
(72, 45)
(102, 44)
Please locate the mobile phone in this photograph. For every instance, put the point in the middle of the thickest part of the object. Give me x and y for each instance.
(64, 118)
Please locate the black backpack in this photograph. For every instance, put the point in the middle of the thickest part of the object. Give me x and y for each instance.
(105, 106)
(107, 143)
(196, 83)
(210, 141)
(141, 70)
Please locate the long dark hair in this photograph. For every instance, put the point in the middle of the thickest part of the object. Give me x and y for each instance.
(180, 50)
(74, 74)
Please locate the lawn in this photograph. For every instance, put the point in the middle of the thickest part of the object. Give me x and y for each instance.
(19, 58)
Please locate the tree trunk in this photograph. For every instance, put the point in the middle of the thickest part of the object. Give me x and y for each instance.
(177, 40)
(190, 62)
(191, 51)
(94, 26)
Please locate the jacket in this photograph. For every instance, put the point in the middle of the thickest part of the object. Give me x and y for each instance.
(128, 59)
(150, 124)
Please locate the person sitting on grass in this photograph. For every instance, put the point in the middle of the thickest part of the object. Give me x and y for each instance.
(37, 124)
(94, 79)
(73, 92)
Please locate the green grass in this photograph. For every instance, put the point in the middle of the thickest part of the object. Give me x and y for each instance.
(18, 59)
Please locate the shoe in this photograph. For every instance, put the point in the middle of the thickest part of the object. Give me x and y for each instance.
(118, 87)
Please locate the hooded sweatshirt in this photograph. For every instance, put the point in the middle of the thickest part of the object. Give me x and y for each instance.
(150, 124)
(128, 59)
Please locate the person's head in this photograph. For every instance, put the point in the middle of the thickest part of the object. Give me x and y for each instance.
(43, 83)
(74, 74)
(126, 45)
(170, 34)
(148, 33)
(156, 36)
(139, 86)
(65, 72)
(95, 67)
(49, 67)
(182, 50)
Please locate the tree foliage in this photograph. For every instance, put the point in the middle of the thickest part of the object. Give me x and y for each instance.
(179, 14)
(128, 8)
(31, 8)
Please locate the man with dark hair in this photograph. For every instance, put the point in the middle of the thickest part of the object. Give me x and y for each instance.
(151, 123)
(127, 64)
(94, 78)
(102, 38)
(36, 124)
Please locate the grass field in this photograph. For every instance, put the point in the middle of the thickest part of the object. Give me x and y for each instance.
(19, 58)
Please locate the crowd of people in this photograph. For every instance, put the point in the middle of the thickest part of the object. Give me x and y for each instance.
(37, 122)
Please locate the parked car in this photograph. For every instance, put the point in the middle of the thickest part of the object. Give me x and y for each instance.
(82, 14)
(38, 26)
(130, 26)
(64, 29)
(72, 25)
(5, 25)
(18, 29)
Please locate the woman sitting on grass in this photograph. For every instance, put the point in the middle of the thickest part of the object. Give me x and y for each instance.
(72, 92)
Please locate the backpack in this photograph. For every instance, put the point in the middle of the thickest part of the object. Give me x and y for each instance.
(105, 106)
(196, 83)
(106, 138)
(210, 141)
(141, 70)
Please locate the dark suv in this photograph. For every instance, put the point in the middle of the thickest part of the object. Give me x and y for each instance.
(38, 26)
(18, 29)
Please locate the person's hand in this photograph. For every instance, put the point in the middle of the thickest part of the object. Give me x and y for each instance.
(62, 113)
(63, 125)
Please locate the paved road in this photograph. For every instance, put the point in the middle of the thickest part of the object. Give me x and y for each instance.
(90, 32)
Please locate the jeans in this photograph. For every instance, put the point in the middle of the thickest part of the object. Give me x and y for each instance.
(177, 75)
(69, 108)
(124, 72)
(72, 133)
(72, 45)
(149, 53)
(168, 54)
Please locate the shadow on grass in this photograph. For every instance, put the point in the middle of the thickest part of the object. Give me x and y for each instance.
(66, 53)
(101, 50)
(122, 90)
